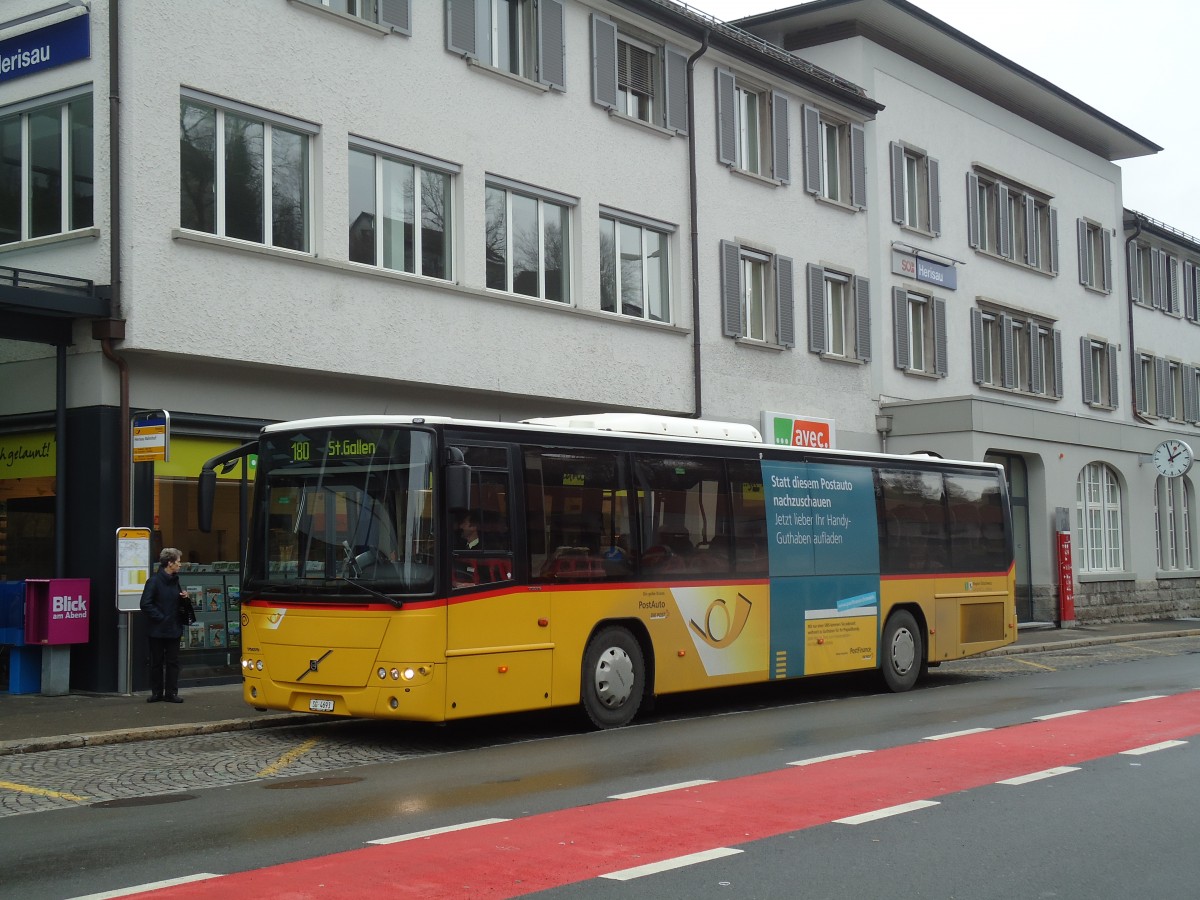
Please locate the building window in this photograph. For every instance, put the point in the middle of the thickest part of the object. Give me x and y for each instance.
(1191, 394)
(1016, 353)
(1171, 404)
(46, 178)
(1098, 520)
(839, 314)
(1145, 384)
(1012, 221)
(527, 242)
(1174, 508)
(919, 323)
(834, 159)
(1095, 256)
(916, 191)
(638, 78)
(520, 37)
(1100, 375)
(757, 294)
(635, 268)
(752, 128)
(244, 175)
(1191, 291)
(393, 13)
(400, 212)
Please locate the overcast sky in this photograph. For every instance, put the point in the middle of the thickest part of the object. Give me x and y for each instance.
(1134, 62)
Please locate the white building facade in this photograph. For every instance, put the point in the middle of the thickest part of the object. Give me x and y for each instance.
(239, 213)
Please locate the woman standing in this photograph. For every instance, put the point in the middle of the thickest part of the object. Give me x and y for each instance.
(170, 611)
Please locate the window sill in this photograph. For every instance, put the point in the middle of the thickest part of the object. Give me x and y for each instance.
(316, 7)
(1015, 263)
(1017, 392)
(519, 80)
(758, 345)
(640, 124)
(1100, 407)
(1095, 290)
(78, 234)
(836, 204)
(1172, 574)
(913, 229)
(755, 177)
(201, 237)
(1101, 577)
(838, 358)
(921, 373)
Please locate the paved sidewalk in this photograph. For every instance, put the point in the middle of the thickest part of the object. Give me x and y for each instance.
(31, 722)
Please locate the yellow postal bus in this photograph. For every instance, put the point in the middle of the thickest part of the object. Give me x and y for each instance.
(431, 569)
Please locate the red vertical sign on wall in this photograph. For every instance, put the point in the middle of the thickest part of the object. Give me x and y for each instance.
(1066, 579)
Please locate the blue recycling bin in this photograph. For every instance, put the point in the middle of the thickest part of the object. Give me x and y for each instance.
(24, 663)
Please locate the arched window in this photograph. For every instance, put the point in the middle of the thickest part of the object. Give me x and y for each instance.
(1098, 543)
(1174, 524)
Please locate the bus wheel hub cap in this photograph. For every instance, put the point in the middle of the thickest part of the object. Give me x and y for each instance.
(614, 677)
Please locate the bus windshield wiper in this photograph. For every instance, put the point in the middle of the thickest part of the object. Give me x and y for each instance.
(399, 604)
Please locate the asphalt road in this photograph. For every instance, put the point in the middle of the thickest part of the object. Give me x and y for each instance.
(108, 818)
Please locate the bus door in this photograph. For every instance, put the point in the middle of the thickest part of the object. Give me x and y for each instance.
(497, 632)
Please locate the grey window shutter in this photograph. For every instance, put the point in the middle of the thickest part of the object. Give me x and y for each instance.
(1191, 395)
(397, 14)
(731, 289)
(785, 291)
(1053, 240)
(816, 309)
(1173, 285)
(1081, 234)
(973, 235)
(941, 355)
(604, 62)
(1037, 381)
(977, 346)
(1004, 238)
(862, 318)
(858, 166)
(1156, 286)
(935, 196)
(1139, 388)
(460, 27)
(1162, 378)
(1106, 261)
(812, 150)
(675, 81)
(552, 58)
(1189, 292)
(726, 119)
(896, 152)
(781, 159)
(1114, 377)
(1032, 248)
(900, 327)
(1085, 369)
(1009, 377)
(1135, 276)
(1057, 368)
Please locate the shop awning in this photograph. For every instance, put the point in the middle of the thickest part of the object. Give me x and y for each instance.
(41, 306)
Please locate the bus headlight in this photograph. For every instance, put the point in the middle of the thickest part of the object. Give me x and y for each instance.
(382, 673)
(409, 674)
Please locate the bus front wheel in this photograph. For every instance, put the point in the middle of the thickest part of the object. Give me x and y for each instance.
(614, 678)
(903, 651)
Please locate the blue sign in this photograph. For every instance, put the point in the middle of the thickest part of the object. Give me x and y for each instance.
(55, 45)
(936, 273)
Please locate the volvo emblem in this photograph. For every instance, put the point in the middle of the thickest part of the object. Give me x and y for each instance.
(314, 664)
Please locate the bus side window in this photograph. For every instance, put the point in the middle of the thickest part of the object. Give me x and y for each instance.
(915, 538)
(487, 557)
(681, 505)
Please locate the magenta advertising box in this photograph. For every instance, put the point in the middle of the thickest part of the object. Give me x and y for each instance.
(57, 610)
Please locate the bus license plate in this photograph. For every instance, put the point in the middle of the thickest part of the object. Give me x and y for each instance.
(320, 705)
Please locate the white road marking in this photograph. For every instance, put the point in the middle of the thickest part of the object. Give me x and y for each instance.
(831, 756)
(667, 865)
(1153, 748)
(1141, 699)
(417, 835)
(153, 886)
(1038, 776)
(954, 734)
(887, 811)
(1059, 715)
(660, 790)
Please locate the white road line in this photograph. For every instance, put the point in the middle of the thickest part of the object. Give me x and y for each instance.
(831, 756)
(660, 790)
(153, 886)
(954, 734)
(417, 835)
(1059, 715)
(1038, 776)
(886, 812)
(1153, 748)
(667, 864)
(1141, 699)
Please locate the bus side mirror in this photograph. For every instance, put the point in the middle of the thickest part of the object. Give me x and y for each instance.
(458, 481)
(206, 492)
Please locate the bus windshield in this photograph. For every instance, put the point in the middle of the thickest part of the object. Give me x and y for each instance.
(344, 511)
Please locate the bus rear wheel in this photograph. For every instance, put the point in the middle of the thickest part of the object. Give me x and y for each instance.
(903, 651)
(614, 678)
